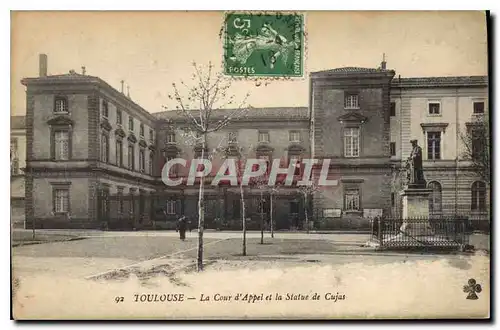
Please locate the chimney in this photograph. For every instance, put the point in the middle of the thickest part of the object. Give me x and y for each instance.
(122, 85)
(43, 65)
(383, 65)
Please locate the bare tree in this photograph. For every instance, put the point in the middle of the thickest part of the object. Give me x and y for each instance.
(197, 102)
(241, 156)
(476, 141)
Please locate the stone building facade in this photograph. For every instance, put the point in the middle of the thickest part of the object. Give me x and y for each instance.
(86, 141)
(17, 165)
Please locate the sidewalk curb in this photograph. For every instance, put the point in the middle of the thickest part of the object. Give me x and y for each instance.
(45, 242)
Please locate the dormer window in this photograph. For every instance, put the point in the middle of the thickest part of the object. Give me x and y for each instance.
(61, 105)
(351, 101)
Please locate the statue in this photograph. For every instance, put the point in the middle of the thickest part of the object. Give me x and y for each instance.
(414, 167)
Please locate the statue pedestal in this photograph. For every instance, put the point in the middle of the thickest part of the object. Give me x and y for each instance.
(416, 211)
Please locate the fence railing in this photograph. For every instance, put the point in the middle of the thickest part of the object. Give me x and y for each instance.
(430, 232)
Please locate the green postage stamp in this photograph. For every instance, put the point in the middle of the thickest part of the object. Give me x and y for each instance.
(264, 45)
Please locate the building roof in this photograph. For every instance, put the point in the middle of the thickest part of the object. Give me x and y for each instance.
(451, 81)
(351, 69)
(277, 113)
(74, 77)
(17, 122)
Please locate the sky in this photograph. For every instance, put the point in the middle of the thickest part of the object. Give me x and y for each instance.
(151, 50)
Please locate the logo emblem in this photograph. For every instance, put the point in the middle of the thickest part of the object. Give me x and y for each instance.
(472, 288)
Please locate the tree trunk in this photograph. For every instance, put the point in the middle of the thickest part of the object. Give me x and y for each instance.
(243, 220)
(261, 218)
(271, 215)
(201, 210)
(33, 225)
(305, 209)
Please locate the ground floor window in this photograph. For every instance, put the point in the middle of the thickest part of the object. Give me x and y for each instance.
(61, 200)
(236, 208)
(351, 199)
(170, 207)
(478, 202)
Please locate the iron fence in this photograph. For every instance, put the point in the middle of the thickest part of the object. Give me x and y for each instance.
(428, 232)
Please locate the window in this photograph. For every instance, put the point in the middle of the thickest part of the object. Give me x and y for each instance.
(119, 193)
(141, 130)
(393, 148)
(151, 161)
(294, 136)
(170, 137)
(478, 107)
(351, 199)
(60, 105)
(351, 142)
(104, 148)
(14, 166)
(119, 117)
(393, 199)
(105, 109)
(393, 109)
(236, 208)
(173, 168)
(435, 198)
(433, 145)
(131, 157)
(294, 207)
(351, 101)
(119, 153)
(14, 160)
(142, 160)
(478, 142)
(131, 123)
(151, 136)
(263, 136)
(232, 137)
(478, 202)
(434, 108)
(61, 140)
(61, 200)
(170, 207)
(132, 192)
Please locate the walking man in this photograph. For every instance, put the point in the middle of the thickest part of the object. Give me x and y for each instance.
(182, 224)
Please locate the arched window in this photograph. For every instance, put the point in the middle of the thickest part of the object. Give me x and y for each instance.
(478, 202)
(435, 205)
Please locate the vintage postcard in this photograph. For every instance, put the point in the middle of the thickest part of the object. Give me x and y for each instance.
(250, 165)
